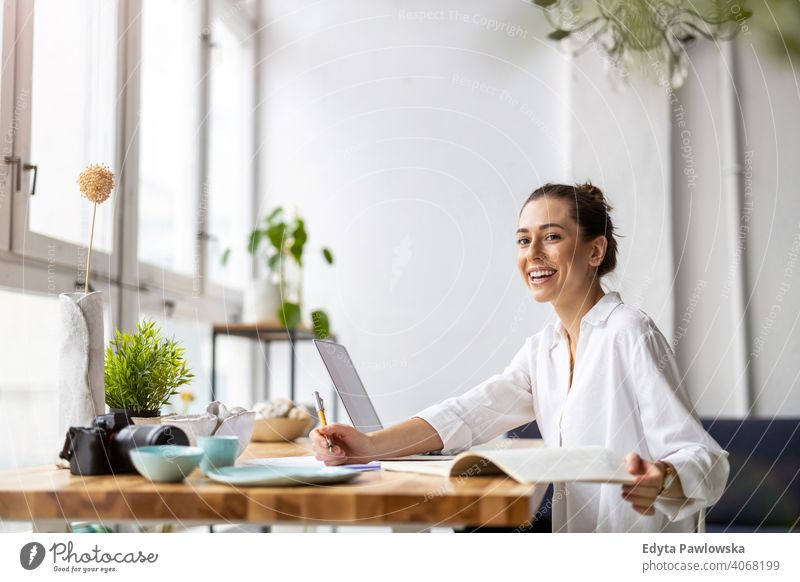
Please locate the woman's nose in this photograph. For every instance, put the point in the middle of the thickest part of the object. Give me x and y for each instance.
(535, 250)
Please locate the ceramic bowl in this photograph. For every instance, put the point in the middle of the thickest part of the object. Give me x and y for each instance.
(239, 425)
(168, 463)
(194, 425)
(269, 430)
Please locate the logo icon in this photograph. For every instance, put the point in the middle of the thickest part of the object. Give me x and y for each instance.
(31, 555)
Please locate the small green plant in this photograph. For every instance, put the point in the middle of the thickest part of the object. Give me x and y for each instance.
(143, 370)
(280, 239)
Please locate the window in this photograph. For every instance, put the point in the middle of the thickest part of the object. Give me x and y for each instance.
(169, 134)
(230, 157)
(73, 113)
(234, 362)
(29, 382)
(7, 34)
(101, 81)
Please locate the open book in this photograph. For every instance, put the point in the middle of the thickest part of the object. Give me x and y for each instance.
(527, 465)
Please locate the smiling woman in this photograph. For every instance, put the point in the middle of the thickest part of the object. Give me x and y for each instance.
(601, 375)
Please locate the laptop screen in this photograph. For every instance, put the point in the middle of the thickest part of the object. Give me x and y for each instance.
(349, 386)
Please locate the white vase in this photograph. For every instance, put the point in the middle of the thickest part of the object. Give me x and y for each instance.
(81, 393)
(262, 299)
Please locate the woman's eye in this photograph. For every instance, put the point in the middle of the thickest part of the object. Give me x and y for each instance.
(552, 236)
(522, 241)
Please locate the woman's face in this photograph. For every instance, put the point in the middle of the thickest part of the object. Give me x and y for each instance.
(557, 265)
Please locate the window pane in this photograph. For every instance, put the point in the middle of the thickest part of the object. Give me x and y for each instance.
(233, 363)
(168, 133)
(230, 157)
(29, 379)
(29, 351)
(74, 88)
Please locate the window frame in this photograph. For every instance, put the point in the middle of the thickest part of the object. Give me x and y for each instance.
(25, 242)
(7, 101)
(134, 282)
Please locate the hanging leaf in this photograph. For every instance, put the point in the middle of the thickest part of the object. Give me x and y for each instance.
(273, 215)
(225, 257)
(299, 237)
(328, 255)
(277, 235)
(544, 3)
(289, 314)
(320, 324)
(254, 240)
(558, 34)
(274, 262)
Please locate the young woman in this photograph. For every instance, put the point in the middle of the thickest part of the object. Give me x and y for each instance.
(602, 374)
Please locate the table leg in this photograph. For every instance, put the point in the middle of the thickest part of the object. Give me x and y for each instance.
(266, 369)
(292, 364)
(213, 366)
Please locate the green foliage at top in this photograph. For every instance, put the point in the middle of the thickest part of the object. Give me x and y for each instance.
(646, 34)
(143, 370)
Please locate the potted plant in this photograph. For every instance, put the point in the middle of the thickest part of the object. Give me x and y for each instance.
(143, 371)
(280, 240)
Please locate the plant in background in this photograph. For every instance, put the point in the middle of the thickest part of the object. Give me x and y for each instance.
(95, 183)
(643, 33)
(143, 370)
(280, 240)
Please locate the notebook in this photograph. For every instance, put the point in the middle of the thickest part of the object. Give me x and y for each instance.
(528, 465)
(308, 461)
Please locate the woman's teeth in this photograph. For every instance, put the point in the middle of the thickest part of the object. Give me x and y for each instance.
(541, 276)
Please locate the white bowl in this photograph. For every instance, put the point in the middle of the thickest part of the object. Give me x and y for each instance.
(239, 425)
(194, 425)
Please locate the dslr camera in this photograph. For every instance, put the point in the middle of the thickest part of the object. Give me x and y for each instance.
(105, 446)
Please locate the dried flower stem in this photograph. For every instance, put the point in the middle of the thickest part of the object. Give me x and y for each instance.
(96, 183)
(89, 255)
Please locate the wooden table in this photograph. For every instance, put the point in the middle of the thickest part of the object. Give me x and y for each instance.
(51, 498)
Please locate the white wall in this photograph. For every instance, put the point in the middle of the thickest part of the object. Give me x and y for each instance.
(619, 139)
(767, 233)
(409, 142)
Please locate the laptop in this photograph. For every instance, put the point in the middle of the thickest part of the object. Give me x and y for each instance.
(354, 396)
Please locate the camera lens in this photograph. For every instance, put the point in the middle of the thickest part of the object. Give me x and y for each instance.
(135, 436)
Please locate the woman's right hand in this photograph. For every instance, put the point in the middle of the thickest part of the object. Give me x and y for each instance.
(349, 445)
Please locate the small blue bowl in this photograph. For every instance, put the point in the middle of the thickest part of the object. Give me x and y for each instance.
(168, 463)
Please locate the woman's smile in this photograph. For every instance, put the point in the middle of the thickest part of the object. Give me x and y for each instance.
(539, 276)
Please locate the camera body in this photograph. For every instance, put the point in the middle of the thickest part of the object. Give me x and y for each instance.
(104, 447)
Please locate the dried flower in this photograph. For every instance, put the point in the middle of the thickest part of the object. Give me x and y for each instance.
(96, 183)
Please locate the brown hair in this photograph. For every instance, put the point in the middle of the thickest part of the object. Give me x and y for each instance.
(590, 210)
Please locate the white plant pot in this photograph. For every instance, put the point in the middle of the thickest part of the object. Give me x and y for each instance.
(262, 299)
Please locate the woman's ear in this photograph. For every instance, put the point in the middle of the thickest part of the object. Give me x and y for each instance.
(598, 251)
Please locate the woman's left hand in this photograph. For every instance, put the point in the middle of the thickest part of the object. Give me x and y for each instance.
(649, 481)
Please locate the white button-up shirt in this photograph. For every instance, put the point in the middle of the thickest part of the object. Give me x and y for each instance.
(626, 395)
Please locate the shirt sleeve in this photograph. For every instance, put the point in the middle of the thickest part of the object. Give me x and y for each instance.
(502, 402)
(673, 432)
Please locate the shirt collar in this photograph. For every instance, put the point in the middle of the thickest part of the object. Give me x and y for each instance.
(597, 315)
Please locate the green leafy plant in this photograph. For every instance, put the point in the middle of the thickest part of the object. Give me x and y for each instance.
(643, 33)
(280, 240)
(143, 370)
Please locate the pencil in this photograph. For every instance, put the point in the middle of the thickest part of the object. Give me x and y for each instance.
(321, 415)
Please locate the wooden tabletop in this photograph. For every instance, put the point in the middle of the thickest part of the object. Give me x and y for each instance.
(374, 498)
